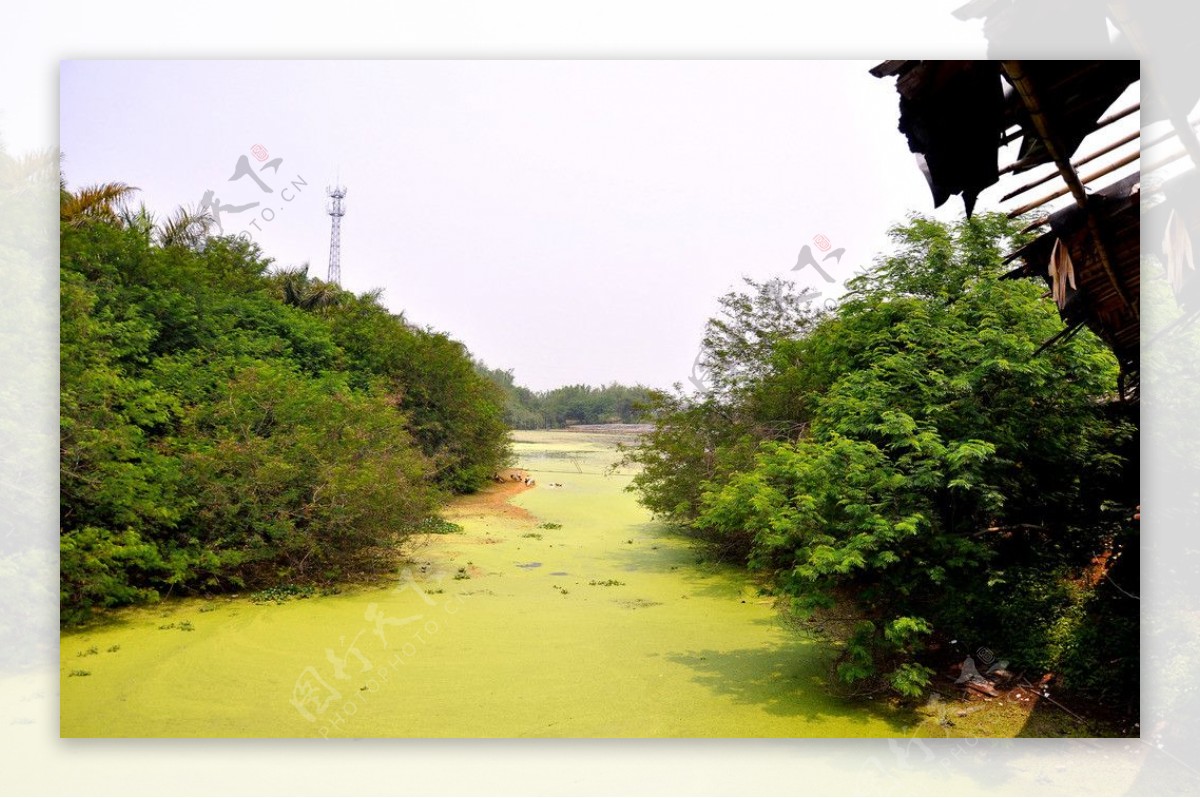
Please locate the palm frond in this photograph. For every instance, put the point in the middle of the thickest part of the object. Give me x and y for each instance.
(186, 227)
(95, 202)
(292, 284)
(141, 220)
(22, 173)
(321, 294)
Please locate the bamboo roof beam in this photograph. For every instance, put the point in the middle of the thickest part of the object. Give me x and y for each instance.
(1105, 122)
(1029, 96)
(1085, 159)
(1115, 165)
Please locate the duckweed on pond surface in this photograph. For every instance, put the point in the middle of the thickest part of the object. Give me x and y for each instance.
(521, 644)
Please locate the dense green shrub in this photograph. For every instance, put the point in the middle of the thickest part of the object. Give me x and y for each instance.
(223, 426)
(913, 459)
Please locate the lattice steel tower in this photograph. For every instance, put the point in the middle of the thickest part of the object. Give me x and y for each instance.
(336, 210)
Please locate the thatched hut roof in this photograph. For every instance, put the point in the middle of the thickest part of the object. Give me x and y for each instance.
(958, 115)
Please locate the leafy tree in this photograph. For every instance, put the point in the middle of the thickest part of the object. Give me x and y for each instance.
(29, 192)
(739, 344)
(292, 479)
(934, 465)
(713, 433)
(222, 426)
(456, 415)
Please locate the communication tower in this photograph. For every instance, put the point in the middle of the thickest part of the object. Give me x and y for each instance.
(336, 210)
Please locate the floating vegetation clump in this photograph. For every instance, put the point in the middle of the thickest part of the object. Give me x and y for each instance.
(281, 593)
(439, 526)
(639, 603)
(183, 626)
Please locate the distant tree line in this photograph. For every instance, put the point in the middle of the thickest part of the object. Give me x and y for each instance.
(227, 426)
(570, 404)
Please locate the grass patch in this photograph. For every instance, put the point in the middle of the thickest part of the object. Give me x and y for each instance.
(549, 525)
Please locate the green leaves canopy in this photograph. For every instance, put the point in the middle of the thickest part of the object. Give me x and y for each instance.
(224, 426)
(905, 456)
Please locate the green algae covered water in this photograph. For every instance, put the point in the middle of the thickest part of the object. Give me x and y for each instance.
(563, 612)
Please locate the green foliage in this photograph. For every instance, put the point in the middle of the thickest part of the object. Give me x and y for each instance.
(679, 455)
(739, 345)
(98, 568)
(715, 433)
(910, 458)
(223, 427)
(294, 478)
(910, 679)
(455, 414)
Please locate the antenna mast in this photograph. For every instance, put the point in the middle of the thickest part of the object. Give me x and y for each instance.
(336, 211)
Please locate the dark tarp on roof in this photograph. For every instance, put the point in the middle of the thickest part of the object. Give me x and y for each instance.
(954, 114)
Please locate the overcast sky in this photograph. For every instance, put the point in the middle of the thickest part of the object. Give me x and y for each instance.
(574, 221)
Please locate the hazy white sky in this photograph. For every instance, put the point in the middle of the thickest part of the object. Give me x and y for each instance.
(572, 220)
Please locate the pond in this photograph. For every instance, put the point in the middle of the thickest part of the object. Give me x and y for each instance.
(559, 610)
